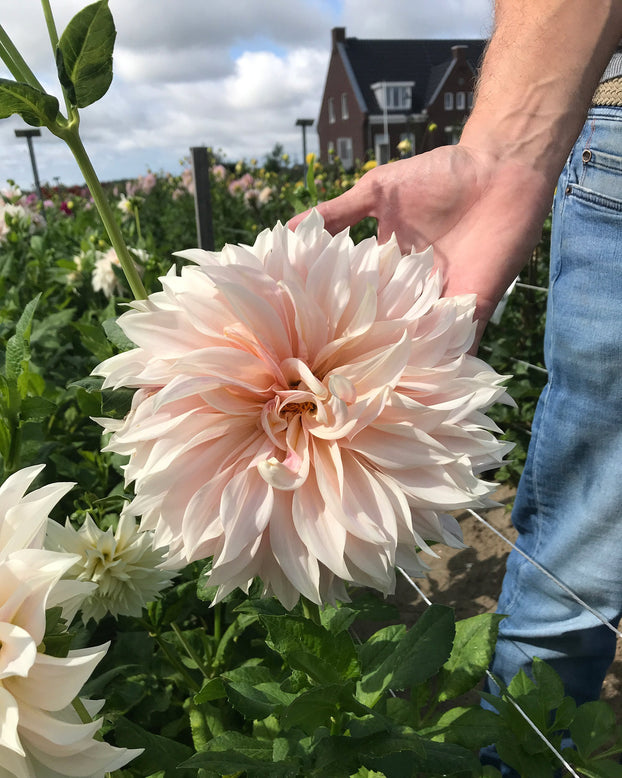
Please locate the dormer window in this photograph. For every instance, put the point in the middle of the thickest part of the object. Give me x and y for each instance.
(449, 101)
(331, 110)
(394, 95)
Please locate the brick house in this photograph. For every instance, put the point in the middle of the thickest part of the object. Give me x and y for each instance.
(379, 92)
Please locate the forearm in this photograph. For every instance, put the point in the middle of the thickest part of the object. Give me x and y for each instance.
(540, 70)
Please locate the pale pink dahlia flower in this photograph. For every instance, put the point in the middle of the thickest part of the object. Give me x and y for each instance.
(306, 411)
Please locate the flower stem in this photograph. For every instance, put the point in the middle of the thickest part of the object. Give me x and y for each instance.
(53, 35)
(72, 139)
(81, 710)
(15, 62)
(190, 650)
(174, 662)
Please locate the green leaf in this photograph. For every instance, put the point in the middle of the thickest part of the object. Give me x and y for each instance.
(95, 340)
(35, 107)
(213, 689)
(470, 656)
(116, 336)
(254, 692)
(337, 619)
(17, 347)
(594, 725)
(36, 409)
(233, 752)
(471, 727)
(550, 686)
(161, 753)
(84, 54)
(389, 661)
(326, 657)
(316, 707)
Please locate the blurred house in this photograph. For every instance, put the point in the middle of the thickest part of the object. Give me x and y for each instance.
(381, 92)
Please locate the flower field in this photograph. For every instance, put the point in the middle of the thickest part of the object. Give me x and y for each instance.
(212, 463)
(225, 688)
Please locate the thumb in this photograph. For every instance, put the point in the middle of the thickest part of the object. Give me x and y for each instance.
(341, 212)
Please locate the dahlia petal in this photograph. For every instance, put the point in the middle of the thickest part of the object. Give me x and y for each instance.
(9, 720)
(24, 523)
(245, 510)
(19, 651)
(321, 534)
(293, 557)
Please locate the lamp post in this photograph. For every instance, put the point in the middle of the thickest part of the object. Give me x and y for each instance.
(304, 123)
(29, 135)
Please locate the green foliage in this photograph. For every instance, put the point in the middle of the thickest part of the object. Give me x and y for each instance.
(592, 726)
(84, 54)
(34, 106)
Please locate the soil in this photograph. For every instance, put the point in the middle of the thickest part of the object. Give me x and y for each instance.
(469, 580)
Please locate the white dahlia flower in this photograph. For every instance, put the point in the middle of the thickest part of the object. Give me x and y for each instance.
(306, 412)
(41, 735)
(123, 565)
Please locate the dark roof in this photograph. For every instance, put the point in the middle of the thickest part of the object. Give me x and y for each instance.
(423, 61)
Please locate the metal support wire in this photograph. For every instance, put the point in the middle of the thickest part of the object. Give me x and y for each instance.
(506, 694)
(545, 572)
(531, 286)
(521, 362)
(533, 726)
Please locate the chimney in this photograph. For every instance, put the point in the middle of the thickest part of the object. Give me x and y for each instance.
(338, 35)
(459, 52)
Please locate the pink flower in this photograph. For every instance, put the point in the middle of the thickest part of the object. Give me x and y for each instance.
(306, 412)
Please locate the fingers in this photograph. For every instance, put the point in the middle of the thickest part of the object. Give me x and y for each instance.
(341, 212)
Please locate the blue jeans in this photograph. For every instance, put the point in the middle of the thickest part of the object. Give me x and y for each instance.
(568, 508)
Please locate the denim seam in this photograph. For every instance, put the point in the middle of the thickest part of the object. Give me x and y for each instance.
(595, 199)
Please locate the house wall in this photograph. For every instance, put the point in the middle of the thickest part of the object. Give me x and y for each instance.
(337, 83)
(461, 79)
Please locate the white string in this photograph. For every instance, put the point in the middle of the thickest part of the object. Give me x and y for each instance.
(414, 586)
(533, 726)
(531, 286)
(509, 697)
(543, 570)
(542, 370)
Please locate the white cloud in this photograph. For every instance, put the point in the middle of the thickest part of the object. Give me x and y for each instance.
(191, 72)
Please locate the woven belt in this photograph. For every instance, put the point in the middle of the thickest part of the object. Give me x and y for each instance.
(608, 92)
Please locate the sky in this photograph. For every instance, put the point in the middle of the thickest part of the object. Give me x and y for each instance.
(233, 76)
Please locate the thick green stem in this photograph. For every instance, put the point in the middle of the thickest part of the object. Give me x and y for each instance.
(53, 35)
(15, 62)
(72, 139)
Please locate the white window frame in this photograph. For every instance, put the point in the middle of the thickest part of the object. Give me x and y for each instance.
(448, 99)
(331, 110)
(345, 152)
(394, 95)
(344, 106)
(460, 101)
(470, 100)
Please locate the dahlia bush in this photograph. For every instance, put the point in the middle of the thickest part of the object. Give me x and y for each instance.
(306, 412)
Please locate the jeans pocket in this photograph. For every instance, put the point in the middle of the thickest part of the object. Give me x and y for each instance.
(599, 180)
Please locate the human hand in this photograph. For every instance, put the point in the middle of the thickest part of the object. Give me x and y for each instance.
(482, 215)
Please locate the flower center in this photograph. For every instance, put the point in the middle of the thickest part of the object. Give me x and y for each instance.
(304, 407)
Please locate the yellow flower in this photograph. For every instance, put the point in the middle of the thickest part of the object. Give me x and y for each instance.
(310, 158)
(432, 126)
(371, 163)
